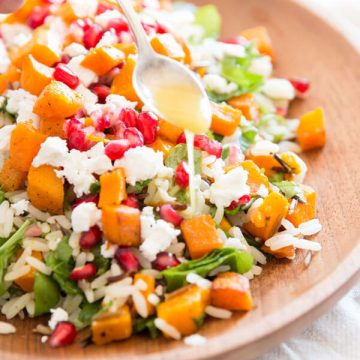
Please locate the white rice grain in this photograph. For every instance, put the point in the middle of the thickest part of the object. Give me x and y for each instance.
(218, 312)
(6, 328)
(195, 340)
(62, 220)
(38, 265)
(140, 303)
(220, 269)
(42, 329)
(141, 285)
(30, 308)
(280, 240)
(15, 305)
(310, 227)
(36, 244)
(22, 258)
(18, 272)
(37, 214)
(153, 299)
(100, 281)
(258, 255)
(307, 245)
(167, 329)
(88, 292)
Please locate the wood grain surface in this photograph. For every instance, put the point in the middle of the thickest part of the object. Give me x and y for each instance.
(288, 295)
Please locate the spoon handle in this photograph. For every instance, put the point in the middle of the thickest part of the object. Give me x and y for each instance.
(136, 26)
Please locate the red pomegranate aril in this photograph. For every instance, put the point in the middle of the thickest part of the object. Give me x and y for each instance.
(89, 239)
(102, 7)
(181, 139)
(234, 204)
(132, 201)
(116, 149)
(64, 334)
(134, 136)
(182, 175)
(101, 91)
(161, 29)
(127, 260)
(129, 117)
(65, 59)
(148, 125)
(237, 40)
(169, 214)
(38, 16)
(84, 272)
(90, 198)
(244, 200)
(103, 123)
(301, 86)
(118, 24)
(64, 74)
(92, 36)
(77, 140)
(165, 260)
(84, 24)
(212, 147)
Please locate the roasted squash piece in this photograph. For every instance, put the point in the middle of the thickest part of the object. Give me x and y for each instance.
(25, 143)
(225, 225)
(12, 75)
(169, 131)
(225, 119)
(112, 326)
(166, 44)
(255, 177)
(260, 36)
(52, 127)
(311, 131)
(162, 145)
(11, 179)
(26, 282)
(127, 49)
(57, 100)
(267, 218)
(35, 76)
(150, 288)
(113, 188)
(200, 235)
(285, 252)
(246, 104)
(231, 291)
(121, 225)
(183, 307)
(45, 189)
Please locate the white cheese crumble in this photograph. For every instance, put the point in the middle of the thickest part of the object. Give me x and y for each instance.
(15, 34)
(171, 44)
(141, 163)
(20, 207)
(157, 235)
(279, 89)
(107, 250)
(85, 75)
(84, 216)
(53, 151)
(104, 18)
(5, 135)
(261, 66)
(120, 101)
(4, 58)
(264, 147)
(218, 84)
(84, 10)
(109, 38)
(21, 102)
(75, 49)
(57, 315)
(229, 187)
(89, 98)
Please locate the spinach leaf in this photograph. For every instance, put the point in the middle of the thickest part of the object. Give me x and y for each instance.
(277, 177)
(140, 186)
(7, 252)
(209, 19)
(95, 187)
(64, 251)
(2, 195)
(239, 261)
(142, 325)
(179, 153)
(102, 264)
(89, 311)
(247, 138)
(199, 321)
(47, 294)
(288, 188)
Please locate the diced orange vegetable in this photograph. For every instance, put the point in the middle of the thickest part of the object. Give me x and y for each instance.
(57, 100)
(21, 14)
(225, 225)
(11, 179)
(311, 131)
(187, 51)
(26, 282)
(173, 50)
(246, 104)
(183, 307)
(25, 143)
(127, 49)
(162, 145)
(102, 59)
(169, 131)
(266, 162)
(121, 225)
(200, 235)
(52, 127)
(45, 189)
(231, 291)
(225, 119)
(150, 289)
(73, 10)
(304, 212)
(35, 76)
(285, 252)
(260, 36)
(255, 177)
(12, 75)
(267, 218)
(112, 326)
(113, 188)
(123, 84)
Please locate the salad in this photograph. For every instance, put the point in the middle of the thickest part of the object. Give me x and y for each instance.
(95, 224)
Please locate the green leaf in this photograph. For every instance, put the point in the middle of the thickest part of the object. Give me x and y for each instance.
(179, 153)
(225, 152)
(288, 188)
(64, 251)
(239, 261)
(47, 294)
(102, 264)
(142, 325)
(95, 187)
(247, 138)
(277, 177)
(2, 195)
(140, 186)
(7, 252)
(199, 321)
(219, 98)
(89, 311)
(209, 19)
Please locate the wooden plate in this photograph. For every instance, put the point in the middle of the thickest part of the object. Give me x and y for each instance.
(288, 295)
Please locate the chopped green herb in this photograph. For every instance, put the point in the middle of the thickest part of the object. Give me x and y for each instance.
(64, 251)
(148, 324)
(140, 186)
(288, 188)
(2, 195)
(247, 138)
(225, 152)
(89, 311)
(102, 264)
(95, 187)
(277, 177)
(199, 321)
(209, 19)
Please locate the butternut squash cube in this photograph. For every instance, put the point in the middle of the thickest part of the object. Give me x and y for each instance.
(26, 282)
(23, 12)
(285, 252)
(260, 36)
(12, 75)
(246, 104)
(52, 127)
(11, 179)
(183, 307)
(113, 188)
(162, 145)
(166, 44)
(169, 131)
(225, 119)
(45, 189)
(255, 177)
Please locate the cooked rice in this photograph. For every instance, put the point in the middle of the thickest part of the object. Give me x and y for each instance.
(15, 305)
(36, 244)
(153, 299)
(195, 340)
(17, 273)
(42, 329)
(141, 285)
(38, 265)
(37, 214)
(217, 312)
(310, 227)
(6, 328)
(307, 245)
(167, 329)
(140, 303)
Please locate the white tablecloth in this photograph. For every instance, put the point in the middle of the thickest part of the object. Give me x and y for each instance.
(335, 336)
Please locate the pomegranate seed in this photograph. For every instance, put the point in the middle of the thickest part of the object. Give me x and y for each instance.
(84, 24)
(161, 29)
(244, 199)
(77, 140)
(234, 205)
(116, 149)
(57, 2)
(102, 7)
(101, 91)
(63, 334)
(147, 124)
(182, 175)
(38, 16)
(127, 260)
(103, 123)
(65, 59)
(240, 202)
(165, 260)
(118, 24)
(89, 239)
(149, 28)
(301, 86)
(168, 213)
(238, 40)
(134, 136)
(90, 198)
(181, 139)
(64, 74)
(92, 36)
(129, 117)
(84, 272)
(282, 111)
(212, 147)
(132, 201)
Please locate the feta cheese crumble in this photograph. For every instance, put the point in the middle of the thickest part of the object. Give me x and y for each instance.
(84, 216)
(57, 315)
(279, 89)
(264, 147)
(4, 58)
(15, 34)
(53, 151)
(5, 135)
(20, 207)
(75, 49)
